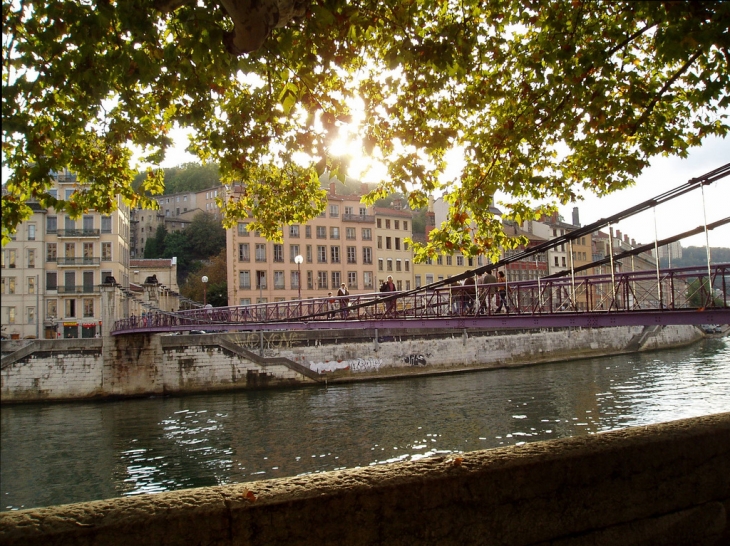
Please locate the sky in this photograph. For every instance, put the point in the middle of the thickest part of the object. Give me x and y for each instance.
(665, 173)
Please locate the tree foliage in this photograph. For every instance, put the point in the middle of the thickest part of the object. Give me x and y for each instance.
(188, 177)
(217, 286)
(544, 98)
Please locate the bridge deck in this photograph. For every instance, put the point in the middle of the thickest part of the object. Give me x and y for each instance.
(675, 296)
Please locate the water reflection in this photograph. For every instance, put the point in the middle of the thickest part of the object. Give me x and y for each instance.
(64, 453)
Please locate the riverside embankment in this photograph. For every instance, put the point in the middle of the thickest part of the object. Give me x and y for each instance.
(142, 365)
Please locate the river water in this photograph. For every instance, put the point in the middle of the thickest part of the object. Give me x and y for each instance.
(62, 453)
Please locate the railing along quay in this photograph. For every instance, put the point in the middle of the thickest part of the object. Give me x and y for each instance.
(639, 297)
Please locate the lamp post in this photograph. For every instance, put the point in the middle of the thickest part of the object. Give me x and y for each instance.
(298, 260)
(205, 290)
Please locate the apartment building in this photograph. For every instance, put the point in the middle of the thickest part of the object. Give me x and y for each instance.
(335, 247)
(52, 270)
(394, 255)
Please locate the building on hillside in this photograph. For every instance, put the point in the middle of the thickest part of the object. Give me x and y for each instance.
(394, 255)
(53, 269)
(641, 262)
(336, 247)
(529, 268)
(672, 251)
(175, 212)
(159, 276)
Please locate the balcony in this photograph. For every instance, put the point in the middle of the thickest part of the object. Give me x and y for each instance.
(77, 261)
(78, 289)
(78, 232)
(361, 218)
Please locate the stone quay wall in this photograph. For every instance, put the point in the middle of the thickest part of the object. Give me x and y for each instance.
(659, 484)
(142, 365)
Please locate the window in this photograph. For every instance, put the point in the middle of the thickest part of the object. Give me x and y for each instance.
(335, 254)
(563, 261)
(352, 279)
(11, 315)
(380, 241)
(242, 231)
(336, 279)
(348, 210)
(429, 278)
(51, 308)
(31, 285)
(470, 261)
(278, 280)
(449, 260)
(418, 281)
(387, 224)
(244, 279)
(390, 264)
(322, 280)
(106, 224)
(106, 252)
(88, 279)
(68, 194)
(321, 254)
(351, 255)
(31, 258)
(387, 243)
(278, 253)
(460, 261)
(31, 232)
(380, 264)
(309, 254)
(308, 232)
(439, 260)
(88, 249)
(397, 243)
(334, 211)
(260, 252)
(310, 280)
(367, 255)
(88, 223)
(405, 227)
(244, 301)
(379, 223)
(70, 281)
(398, 265)
(88, 307)
(367, 234)
(295, 279)
(294, 231)
(261, 279)
(408, 265)
(334, 233)
(11, 285)
(71, 308)
(51, 280)
(396, 224)
(70, 250)
(293, 252)
(350, 233)
(11, 258)
(367, 279)
(321, 232)
(399, 285)
(51, 224)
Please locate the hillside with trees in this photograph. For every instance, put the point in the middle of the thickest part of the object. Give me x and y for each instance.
(697, 255)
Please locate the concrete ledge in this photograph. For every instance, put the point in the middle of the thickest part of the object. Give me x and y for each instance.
(661, 484)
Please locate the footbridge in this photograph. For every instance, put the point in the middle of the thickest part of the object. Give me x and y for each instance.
(690, 295)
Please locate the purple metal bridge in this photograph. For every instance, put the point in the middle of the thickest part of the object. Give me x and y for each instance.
(662, 297)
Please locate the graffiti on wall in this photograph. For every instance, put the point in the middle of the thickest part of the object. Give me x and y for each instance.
(415, 360)
(357, 365)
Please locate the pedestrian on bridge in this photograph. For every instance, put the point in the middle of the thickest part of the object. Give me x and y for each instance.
(502, 292)
(344, 302)
(485, 297)
(389, 286)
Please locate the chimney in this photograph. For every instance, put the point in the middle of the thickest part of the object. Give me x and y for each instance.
(618, 234)
(332, 188)
(626, 238)
(576, 217)
(633, 242)
(364, 188)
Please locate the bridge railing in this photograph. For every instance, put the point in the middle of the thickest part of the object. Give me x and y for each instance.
(672, 289)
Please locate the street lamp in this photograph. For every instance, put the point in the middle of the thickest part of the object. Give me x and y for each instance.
(205, 290)
(298, 260)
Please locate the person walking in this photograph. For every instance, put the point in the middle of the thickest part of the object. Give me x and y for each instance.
(485, 297)
(389, 286)
(502, 291)
(344, 302)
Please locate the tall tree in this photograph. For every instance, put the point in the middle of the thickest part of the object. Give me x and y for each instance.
(542, 97)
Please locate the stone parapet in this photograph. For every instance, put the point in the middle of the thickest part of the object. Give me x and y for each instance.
(659, 484)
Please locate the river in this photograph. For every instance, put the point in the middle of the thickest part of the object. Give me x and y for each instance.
(61, 453)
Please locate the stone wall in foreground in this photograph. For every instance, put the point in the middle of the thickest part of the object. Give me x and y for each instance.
(660, 484)
(142, 365)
